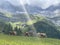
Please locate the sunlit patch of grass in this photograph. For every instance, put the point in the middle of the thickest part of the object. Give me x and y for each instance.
(8, 15)
(18, 24)
(30, 22)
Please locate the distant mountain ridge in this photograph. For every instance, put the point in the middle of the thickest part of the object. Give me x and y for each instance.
(30, 8)
(10, 7)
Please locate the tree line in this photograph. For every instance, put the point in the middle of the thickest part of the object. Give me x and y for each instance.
(8, 28)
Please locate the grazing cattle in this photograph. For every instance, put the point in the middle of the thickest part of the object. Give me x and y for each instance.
(13, 33)
(26, 33)
(41, 35)
(30, 33)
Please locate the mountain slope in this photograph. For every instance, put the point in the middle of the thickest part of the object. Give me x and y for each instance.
(53, 7)
(47, 27)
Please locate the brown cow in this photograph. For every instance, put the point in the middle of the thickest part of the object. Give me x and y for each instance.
(13, 33)
(29, 33)
(41, 35)
(26, 33)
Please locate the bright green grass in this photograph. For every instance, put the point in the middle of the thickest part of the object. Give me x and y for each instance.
(21, 40)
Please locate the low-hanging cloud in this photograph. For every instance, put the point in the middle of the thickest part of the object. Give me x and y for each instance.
(41, 3)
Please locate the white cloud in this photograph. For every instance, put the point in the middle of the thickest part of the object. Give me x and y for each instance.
(41, 3)
(45, 3)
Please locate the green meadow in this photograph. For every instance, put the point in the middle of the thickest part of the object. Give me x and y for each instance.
(21, 40)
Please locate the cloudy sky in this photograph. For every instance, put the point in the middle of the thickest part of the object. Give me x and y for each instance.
(41, 3)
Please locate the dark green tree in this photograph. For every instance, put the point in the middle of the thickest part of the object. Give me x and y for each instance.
(18, 30)
(8, 28)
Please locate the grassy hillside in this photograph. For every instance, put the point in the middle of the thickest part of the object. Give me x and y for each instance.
(39, 22)
(21, 40)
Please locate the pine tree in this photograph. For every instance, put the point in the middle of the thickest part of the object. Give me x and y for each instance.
(18, 30)
(8, 28)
